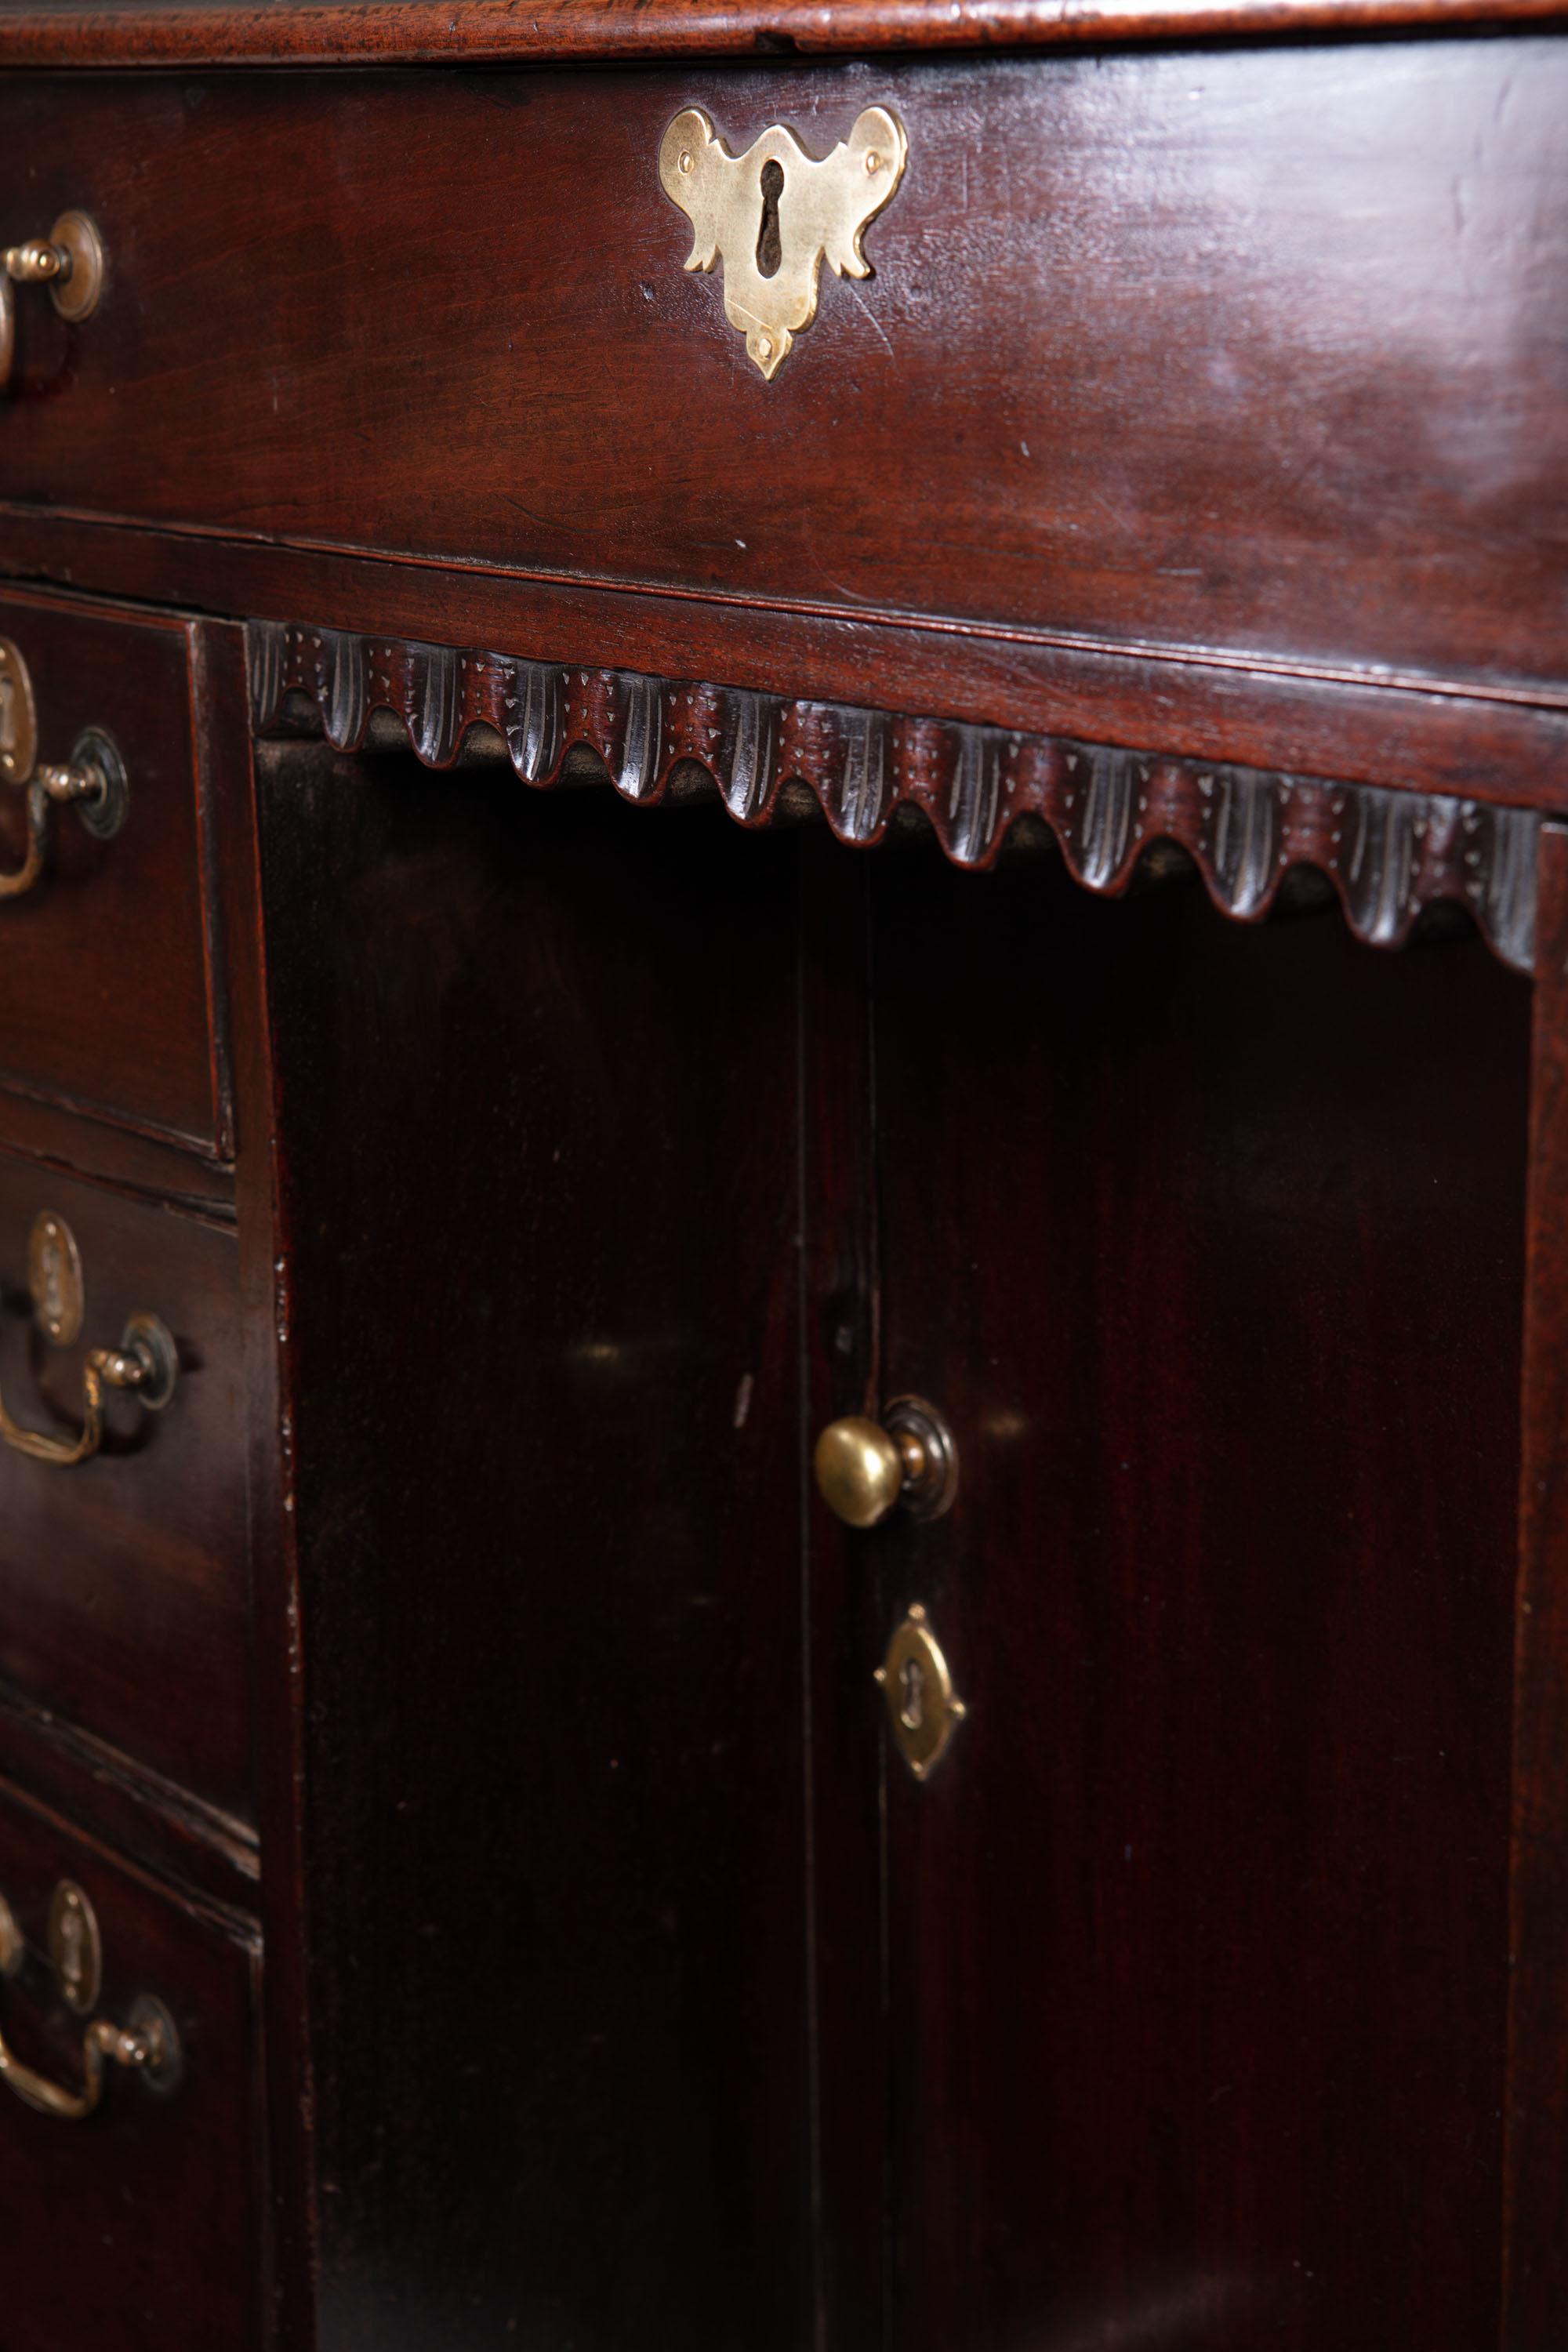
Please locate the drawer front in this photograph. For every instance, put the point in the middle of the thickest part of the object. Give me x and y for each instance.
(1184, 349)
(104, 962)
(135, 2227)
(123, 1585)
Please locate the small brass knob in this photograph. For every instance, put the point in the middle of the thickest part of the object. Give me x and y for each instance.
(859, 1470)
(863, 1466)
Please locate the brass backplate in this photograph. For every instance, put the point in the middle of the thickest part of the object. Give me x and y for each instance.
(76, 1947)
(76, 294)
(922, 1705)
(13, 1943)
(776, 214)
(19, 717)
(55, 1279)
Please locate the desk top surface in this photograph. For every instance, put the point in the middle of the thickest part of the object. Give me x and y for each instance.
(118, 33)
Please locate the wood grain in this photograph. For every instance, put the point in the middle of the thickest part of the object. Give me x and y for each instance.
(548, 1646)
(1211, 1247)
(140, 2227)
(1536, 2276)
(1195, 355)
(496, 32)
(124, 1583)
(1489, 745)
(108, 966)
(1389, 856)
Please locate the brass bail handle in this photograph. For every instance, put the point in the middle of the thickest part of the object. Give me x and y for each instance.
(145, 1365)
(92, 781)
(68, 261)
(147, 2046)
(865, 1467)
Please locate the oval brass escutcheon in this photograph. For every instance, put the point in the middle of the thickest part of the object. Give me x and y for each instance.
(922, 1705)
(55, 1279)
(76, 1947)
(19, 717)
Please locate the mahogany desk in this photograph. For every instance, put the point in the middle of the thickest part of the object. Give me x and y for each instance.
(1035, 534)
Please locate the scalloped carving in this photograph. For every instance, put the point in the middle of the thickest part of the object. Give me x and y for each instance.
(1388, 854)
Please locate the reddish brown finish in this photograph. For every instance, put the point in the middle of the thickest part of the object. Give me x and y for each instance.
(1487, 746)
(1536, 2253)
(621, 1987)
(1229, 371)
(1390, 857)
(495, 31)
(123, 1589)
(269, 1419)
(137, 2228)
(1211, 1251)
(104, 968)
(148, 1820)
(78, 1143)
(550, 1596)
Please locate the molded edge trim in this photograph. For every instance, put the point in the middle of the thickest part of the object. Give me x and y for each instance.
(1389, 854)
(118, 33)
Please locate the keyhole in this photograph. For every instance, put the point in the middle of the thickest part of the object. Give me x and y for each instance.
(912, 1678)
(769, 248)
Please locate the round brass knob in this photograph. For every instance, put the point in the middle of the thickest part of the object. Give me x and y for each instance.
(864, 1466)
(859, 1470)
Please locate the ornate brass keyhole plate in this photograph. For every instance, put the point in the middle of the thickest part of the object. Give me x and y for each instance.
(922, 1705)
(776, 214)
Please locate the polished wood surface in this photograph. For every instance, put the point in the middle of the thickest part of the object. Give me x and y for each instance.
(414, 32)
(1233, 286)
(1536, 2280)
(550, 1596)
(140, 2228)
(1211, 1251)
(1392, 860)
(530, 1176)
(106, 968)
(1283, 717)
(124, 1583)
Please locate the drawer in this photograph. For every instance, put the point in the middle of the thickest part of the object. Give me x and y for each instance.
(123, 1585)
(1162, 349)
(105, 971)
(135, 2227)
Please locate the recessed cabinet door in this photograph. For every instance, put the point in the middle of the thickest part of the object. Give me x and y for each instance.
(1207, 1243)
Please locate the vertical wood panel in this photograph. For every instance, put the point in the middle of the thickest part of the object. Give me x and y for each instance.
(1536, 2215)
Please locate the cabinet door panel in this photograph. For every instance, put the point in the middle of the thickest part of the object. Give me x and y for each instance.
(1209, 1242)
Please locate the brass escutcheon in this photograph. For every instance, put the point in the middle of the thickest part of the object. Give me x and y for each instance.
(54, 1279)
(922, 1705)
(776, 214)
(76, 1947)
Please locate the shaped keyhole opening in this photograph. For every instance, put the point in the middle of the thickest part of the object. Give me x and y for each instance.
(912, 1694)
(769, 250)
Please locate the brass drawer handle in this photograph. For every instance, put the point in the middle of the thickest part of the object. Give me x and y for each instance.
(92, 781)
(145, 1364)
(148, 2046)
(68, 261)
